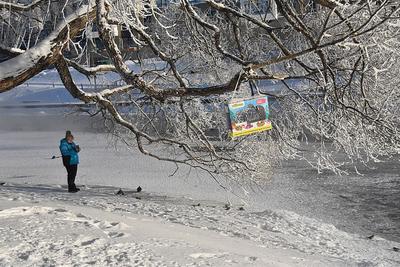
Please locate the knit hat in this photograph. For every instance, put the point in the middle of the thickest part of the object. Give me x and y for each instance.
(67, 133)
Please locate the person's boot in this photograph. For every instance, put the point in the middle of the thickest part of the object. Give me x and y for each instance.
(72, 190)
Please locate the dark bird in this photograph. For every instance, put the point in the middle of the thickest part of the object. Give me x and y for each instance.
(2, 183)
(371, 236)
(139, 189)
(120, 192)
(396, 249)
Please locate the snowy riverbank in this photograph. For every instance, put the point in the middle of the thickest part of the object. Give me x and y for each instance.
(44, 225)
(299, 218)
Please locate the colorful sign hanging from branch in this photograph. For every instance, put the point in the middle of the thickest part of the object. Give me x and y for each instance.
(248, 116)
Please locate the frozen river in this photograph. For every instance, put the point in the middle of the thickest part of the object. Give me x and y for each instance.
(367, 205)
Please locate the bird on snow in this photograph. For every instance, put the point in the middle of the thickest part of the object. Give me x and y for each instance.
(120, 192)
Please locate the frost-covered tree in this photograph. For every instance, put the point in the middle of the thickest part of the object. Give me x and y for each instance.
(336, 64)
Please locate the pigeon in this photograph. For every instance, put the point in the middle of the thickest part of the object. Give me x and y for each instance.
(371, 236)
(139, 189)
(120, 192)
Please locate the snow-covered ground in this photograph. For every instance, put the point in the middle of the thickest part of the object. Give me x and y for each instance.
(176, 221)
(45, 226)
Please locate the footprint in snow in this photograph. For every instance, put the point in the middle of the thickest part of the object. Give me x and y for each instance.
(80, 215)
(60, 210)
(251, 258)
(24, 255)
(115, 234)
(88, 242)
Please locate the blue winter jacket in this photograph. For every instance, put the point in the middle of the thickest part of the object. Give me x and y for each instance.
(69, 151)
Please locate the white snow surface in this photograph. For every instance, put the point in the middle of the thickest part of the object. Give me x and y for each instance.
(46, 226)
(43, 225)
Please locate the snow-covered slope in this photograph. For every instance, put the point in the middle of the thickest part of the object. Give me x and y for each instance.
(44, 225)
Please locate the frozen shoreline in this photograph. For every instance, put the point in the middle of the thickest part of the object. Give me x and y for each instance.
(295, 212)
(45, 225)
(364, 205)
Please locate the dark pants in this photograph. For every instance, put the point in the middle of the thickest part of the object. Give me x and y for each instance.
(71, 170)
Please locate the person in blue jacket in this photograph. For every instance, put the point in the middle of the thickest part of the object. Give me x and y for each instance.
(69, 152)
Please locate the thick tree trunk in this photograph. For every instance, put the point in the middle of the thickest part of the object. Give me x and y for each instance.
(19, 69)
